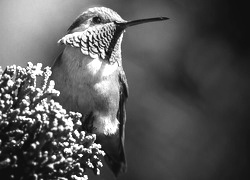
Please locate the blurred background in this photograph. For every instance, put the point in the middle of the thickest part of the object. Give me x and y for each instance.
(188, 110)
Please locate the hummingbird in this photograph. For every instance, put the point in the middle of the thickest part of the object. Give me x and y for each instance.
(91, 80)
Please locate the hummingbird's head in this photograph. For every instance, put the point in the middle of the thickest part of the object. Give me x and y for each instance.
(94, 17)
(98, 32)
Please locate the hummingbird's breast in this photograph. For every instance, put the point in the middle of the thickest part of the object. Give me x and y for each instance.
(95, 69)
(89, 85)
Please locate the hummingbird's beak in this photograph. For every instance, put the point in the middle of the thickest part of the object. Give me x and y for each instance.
(140, 21)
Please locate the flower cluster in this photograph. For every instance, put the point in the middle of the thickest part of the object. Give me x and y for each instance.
(38, 138)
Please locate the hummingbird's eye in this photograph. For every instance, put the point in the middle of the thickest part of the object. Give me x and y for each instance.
(96, 20)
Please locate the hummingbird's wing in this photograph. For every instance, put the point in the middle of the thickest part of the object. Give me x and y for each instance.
(121, 115)
(114, 145)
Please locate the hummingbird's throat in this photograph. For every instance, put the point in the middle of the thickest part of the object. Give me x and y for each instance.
(102, 41)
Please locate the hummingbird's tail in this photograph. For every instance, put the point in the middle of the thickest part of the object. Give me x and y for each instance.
(115, 153)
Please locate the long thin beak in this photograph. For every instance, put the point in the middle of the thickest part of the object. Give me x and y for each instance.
(140, 21)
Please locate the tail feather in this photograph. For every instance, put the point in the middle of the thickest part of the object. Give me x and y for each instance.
(115, 153)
